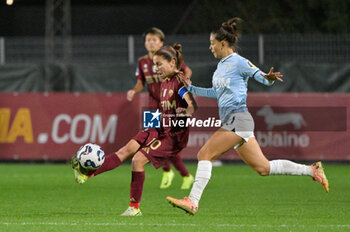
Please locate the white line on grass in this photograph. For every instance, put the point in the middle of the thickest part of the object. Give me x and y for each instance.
(166, 224)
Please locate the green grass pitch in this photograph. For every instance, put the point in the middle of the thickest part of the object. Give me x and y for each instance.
(46, 198)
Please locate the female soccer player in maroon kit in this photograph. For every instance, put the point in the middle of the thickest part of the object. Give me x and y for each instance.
(146, 74)
(154, 145)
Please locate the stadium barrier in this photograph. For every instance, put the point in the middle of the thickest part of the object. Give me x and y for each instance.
(52, 126)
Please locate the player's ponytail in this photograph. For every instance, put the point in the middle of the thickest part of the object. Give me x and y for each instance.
(229, 31)
(179, 58)
(169, 53)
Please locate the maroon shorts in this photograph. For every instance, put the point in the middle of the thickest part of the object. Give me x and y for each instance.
(157, 147)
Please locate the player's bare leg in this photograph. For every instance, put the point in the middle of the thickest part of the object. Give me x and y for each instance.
(112, 161)
(208, 153)
(252, 155)
(136, 186)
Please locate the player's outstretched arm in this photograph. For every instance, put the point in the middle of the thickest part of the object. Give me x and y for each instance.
(198, 91)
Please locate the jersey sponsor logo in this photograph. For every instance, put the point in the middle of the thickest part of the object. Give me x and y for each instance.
(167, 105)
(152, 79)
(151, 119)
(250, 65)
(222, 83)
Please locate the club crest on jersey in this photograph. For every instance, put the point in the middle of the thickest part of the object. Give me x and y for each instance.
(171, 92)
(151, 119)
(153, 68)
(145, 68)
(250, 64)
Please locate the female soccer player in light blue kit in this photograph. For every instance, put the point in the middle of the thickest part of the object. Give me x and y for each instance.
(230, 88)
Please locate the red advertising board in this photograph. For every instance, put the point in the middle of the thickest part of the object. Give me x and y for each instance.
(53, 126)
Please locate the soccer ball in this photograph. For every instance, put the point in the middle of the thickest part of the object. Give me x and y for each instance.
(91, 156)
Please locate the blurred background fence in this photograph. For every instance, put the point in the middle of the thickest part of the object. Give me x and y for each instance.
(125, 49)
(310, 63)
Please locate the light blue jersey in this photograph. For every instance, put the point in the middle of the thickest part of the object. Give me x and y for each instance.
(230, 84)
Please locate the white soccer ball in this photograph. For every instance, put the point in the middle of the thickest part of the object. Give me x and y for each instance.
(91, 156)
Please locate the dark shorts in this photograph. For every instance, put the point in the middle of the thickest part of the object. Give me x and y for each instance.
(157, 147)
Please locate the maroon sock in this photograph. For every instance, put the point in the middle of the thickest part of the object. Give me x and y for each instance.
(136, 188)
(111, 162)
(179, 165)
(166, 167)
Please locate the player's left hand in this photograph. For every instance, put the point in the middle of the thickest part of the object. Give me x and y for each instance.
(273, 76)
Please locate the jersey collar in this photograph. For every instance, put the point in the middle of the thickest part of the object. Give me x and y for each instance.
(227, 57)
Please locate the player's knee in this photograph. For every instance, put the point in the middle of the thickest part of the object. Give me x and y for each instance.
(137, 161)
(124, 153)
(134, 161)
(203, 154)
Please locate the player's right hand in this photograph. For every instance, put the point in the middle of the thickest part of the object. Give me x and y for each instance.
(130, 95)
(186, 80)
(273, 76)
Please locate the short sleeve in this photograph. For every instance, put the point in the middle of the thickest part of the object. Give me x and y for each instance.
(139, 73)
(247, 68)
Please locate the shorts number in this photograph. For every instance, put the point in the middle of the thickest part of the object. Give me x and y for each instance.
(154, 144)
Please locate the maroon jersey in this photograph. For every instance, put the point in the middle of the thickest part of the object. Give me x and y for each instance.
(146, 72)
(171, 98)
(160, 145)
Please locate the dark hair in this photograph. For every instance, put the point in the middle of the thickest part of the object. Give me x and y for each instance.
(154, 31)
(229, 31)
(171, 52)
